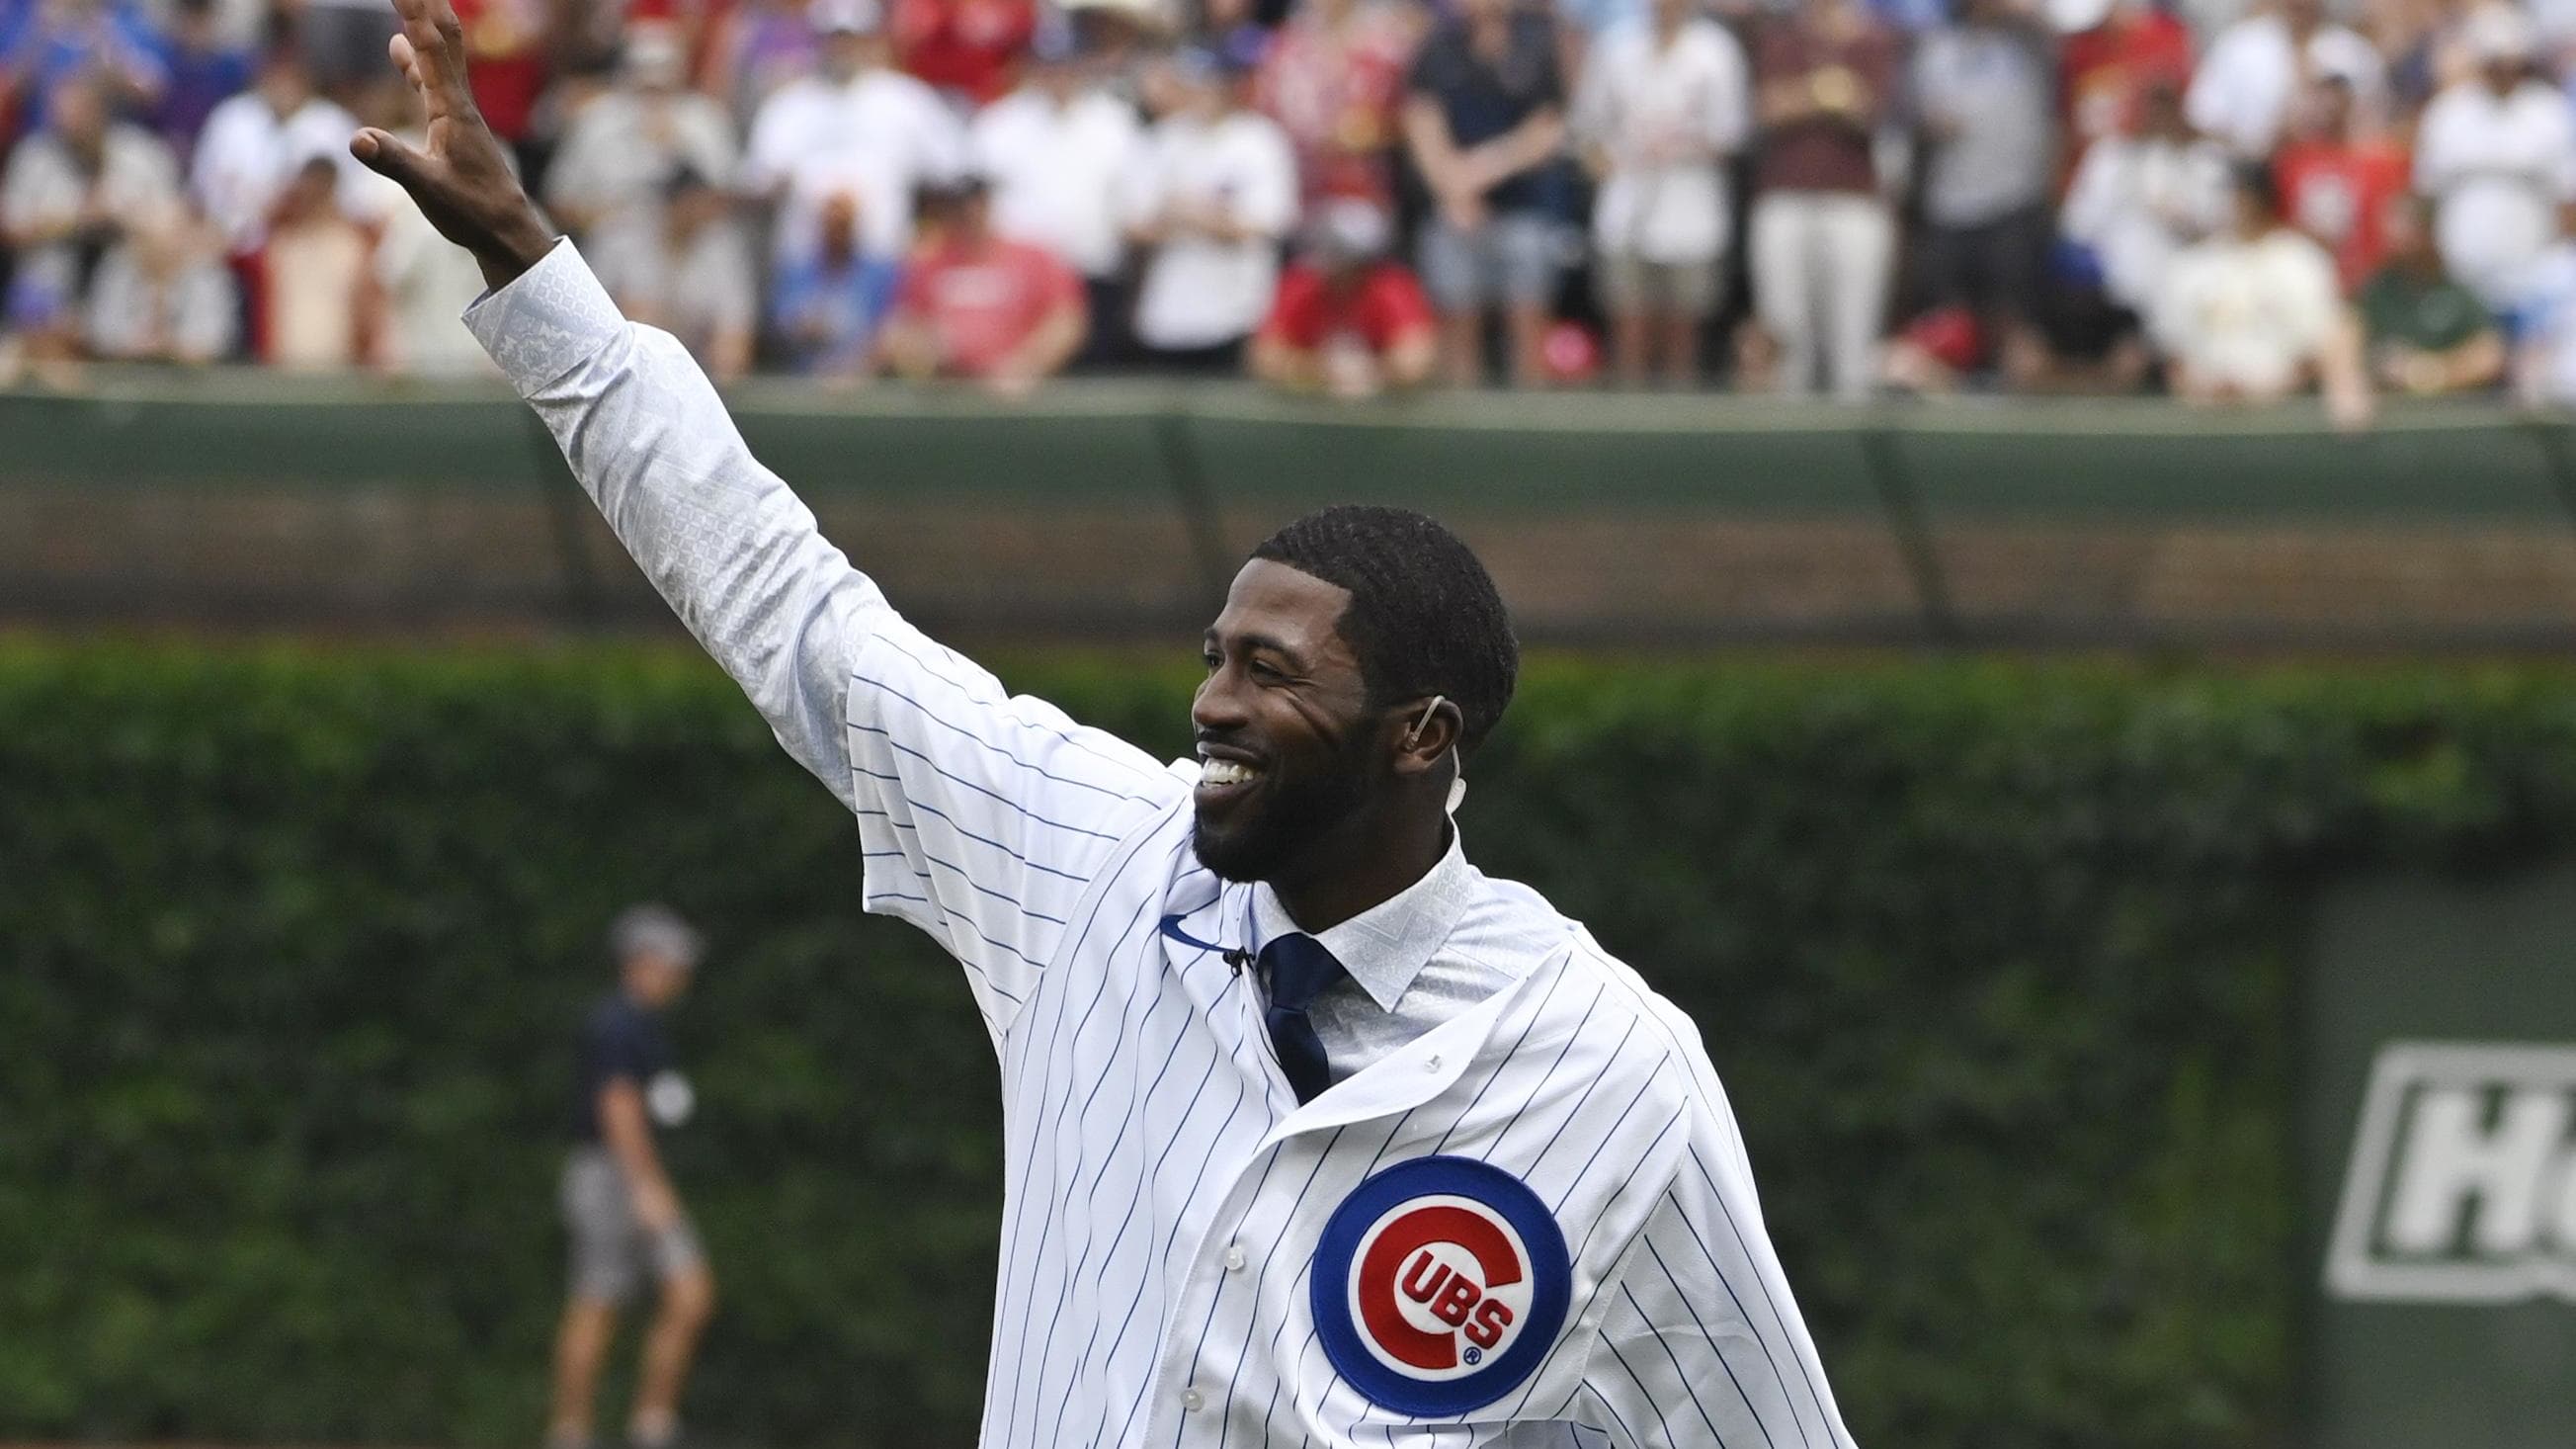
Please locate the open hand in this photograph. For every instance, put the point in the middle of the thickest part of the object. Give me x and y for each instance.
(460, 176)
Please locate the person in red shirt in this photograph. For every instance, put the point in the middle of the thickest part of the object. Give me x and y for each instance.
(967, 50)
(508, 42)
(1347, 321)
(977, 305)
(2337, 178)
(2106, 71)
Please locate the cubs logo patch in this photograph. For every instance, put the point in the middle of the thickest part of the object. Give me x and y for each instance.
(1439, 1284)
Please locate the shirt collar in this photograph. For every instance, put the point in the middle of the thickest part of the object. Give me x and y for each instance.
(1387, 945)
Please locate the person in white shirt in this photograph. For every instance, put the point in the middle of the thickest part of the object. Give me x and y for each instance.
(2544, 361)
(79, 184)
(256, 143)
(1310, 1127)
(2137, 200)
(618, 148)
(1055, 152)
(2496, 155)
(2257, 69)
(859, 127)
(2255, 314)
(1661, 108)
(1214, 198)
(162, 294)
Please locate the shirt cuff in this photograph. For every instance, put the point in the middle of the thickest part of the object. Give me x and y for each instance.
(545, 321)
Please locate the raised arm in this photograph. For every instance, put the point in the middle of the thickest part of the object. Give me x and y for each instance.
(981, 815)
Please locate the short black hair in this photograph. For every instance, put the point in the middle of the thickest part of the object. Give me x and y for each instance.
(1424, 617)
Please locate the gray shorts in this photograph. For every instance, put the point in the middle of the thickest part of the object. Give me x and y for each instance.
(1512, 258)
(611, 1251)
(1630, 283)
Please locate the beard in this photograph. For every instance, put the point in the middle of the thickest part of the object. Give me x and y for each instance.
(1279, 823)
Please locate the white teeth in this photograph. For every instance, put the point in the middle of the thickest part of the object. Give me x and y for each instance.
(1224, 772)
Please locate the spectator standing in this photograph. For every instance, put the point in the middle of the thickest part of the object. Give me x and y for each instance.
(2337, 178)
(317, 301)
(2106, 69)
(617, 151)
(204, 68)
(508, 45)
(255, 142)
(976, 305)
(1823, 239)
(163, 294)
(2252, 315)
(2545, 323)
(1349, 321)
(1214, 197)
(829, 308)
(691, 275)
(2138, 200)
(109, 42)
(1056, 152)
(1986, 87)
(2259, 67)
(1484, 122)
(2497, 155)
(624, 1218)
(2425, 334)
(857, 126)
(70, 192)
(1333, 78)
(1661, 110)
(967, 50)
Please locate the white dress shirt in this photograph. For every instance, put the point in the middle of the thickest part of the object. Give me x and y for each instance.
(1185, 1254)
(1056, 171)
(1639, 102)
(2496, 167)
(877, 138)
(2242, 94)
(1199, 292)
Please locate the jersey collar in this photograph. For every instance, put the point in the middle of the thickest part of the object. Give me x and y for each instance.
(1386, 946)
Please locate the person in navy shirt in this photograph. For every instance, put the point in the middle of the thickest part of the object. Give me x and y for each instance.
(618, 1205)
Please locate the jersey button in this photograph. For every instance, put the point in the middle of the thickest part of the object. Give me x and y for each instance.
(1190, 1401)
(1234, 1258)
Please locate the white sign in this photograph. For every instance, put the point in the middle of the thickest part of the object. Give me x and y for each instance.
(2462, 1184)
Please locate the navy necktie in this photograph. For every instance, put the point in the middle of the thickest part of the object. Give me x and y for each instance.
(1298, 968)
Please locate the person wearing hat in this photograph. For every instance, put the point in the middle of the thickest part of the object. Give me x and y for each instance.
(979, 306)
(1216, 195)
(1348, 320)
(857, 126)
(2496, 154)
(624, 1218)
(1057, 150)
(618, 149)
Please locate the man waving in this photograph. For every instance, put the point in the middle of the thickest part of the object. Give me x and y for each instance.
(1315, 1133)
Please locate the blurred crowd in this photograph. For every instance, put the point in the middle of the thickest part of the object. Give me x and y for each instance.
(2227, 200)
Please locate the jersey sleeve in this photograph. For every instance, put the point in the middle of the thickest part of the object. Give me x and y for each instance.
(1700, 1342)
(981, 814)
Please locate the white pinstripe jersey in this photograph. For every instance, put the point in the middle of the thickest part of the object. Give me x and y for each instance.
(1532, 1224)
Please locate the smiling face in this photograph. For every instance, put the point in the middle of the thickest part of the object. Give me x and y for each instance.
(1291, 748)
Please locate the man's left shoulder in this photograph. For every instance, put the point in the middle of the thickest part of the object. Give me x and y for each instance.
(1582, 1004)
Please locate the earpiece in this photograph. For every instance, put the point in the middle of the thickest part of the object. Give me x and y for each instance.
(1423, 723)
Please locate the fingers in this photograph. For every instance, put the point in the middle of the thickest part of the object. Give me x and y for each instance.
(399, 48)
(435, 41)
(388, 155)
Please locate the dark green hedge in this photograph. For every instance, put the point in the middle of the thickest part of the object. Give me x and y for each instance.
(1996, 961)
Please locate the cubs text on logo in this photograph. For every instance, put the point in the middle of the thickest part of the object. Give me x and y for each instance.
(2462, 1184)
(1439, 1285)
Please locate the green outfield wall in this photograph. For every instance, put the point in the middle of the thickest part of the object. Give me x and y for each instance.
(2004, 966)
(1110, 511)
